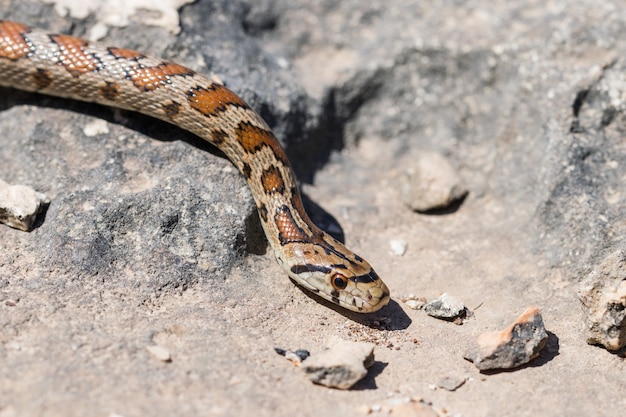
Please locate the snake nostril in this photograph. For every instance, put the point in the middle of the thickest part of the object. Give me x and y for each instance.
(375, 292)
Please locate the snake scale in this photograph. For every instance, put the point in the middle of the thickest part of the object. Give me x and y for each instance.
(65, 66)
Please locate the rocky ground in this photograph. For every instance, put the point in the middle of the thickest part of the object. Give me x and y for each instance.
(151, 237)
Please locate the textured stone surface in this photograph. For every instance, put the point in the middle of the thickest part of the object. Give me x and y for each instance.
(516, 345)
(603, 294)
(451, 383)
(432, 183)
(341, 366)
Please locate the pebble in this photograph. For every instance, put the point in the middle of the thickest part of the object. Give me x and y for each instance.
(20, 205)
(516, 345)
(160, 353)
(603, 294)
(413, 302)
(446, 307)
(340, 366)
(398, 246)
(296, 357)
(432, 183)
(451, 383)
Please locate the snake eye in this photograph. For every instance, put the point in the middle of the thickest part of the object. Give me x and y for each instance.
(339, 282)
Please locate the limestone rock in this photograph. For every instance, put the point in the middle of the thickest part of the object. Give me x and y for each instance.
(451, 383)
(432, 184)
(446, 307)
(603, 294)
(20, 205)
(516, 345)
(342, 365)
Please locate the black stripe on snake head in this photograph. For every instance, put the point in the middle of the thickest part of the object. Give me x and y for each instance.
(299, 269)
(371, 276)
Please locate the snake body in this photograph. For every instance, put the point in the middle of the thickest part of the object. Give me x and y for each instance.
(65, 66)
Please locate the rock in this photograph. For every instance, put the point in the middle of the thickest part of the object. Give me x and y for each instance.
(398, 246)
(603, 294)
(450, 383)
(431, 184)
(446, 307)
(296, 357)
(342, 365)
(413, 302)
(160, 353)
(518, 344)
(20, 205)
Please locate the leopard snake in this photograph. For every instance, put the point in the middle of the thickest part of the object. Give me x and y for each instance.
(65, 66)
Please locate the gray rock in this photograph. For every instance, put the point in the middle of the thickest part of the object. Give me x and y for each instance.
(137, 202)
(518, 344)
(431, 183)
(603, 294)
(341, 366)
(451, 383)
(446, 307)
(20, 205)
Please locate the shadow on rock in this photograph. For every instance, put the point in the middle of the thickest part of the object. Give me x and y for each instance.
(369, 382)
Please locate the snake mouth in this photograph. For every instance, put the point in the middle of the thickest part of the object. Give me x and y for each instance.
(383, 298)
(375, 299)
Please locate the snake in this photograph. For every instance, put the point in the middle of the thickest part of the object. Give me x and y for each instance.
(65, 66)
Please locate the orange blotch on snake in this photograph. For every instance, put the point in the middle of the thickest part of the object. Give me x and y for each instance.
(213, 99)
(272, 181)
(288, 230)
(252, 139)
(12, 43)
(73, 56)
(122, 53)
(151, 78)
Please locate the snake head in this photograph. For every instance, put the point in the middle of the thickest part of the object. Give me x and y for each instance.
(333, 272)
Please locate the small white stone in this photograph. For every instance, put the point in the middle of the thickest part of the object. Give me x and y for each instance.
(96, 127)
(398, 246)
(160, 353)
(415, 304)
(431, 183)
(19, 205)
